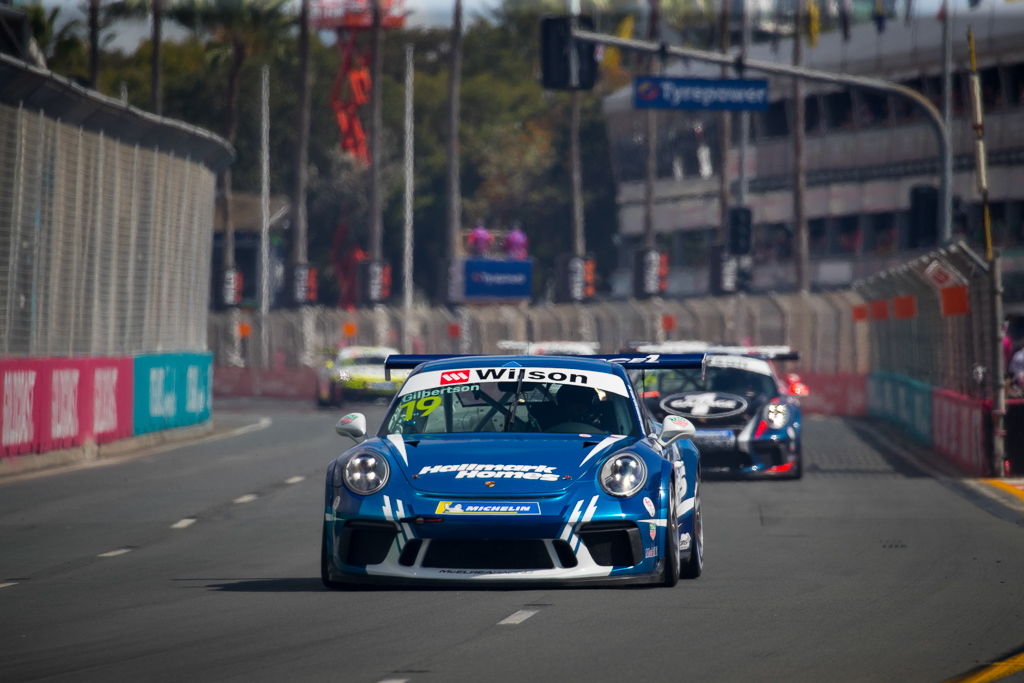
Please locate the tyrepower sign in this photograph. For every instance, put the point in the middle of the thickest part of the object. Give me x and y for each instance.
(493, 280)
(735, 94)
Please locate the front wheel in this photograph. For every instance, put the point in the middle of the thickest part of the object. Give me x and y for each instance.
(325, 576)
(323, 397)
(694, 566)
(670, 571)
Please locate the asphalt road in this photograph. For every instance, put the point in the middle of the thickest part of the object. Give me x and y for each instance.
(866, 570)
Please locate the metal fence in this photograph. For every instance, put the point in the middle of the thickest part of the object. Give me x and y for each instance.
(933, 320)
(105, 245)
(820, 325)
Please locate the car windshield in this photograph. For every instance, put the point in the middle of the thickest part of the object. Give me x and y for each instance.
(511, 406)
(727, 380)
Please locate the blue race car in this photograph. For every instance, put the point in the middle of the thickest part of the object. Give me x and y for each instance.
(515, 469)
(747, 419)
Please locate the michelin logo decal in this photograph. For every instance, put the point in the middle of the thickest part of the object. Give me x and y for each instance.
(447, 507)
(475, 471)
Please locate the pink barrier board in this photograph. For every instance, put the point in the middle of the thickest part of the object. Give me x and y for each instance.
(53, 403)
(960, 431)
(839, 394)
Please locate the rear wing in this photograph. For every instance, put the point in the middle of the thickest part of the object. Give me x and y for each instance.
(631, 361)
(778, 353)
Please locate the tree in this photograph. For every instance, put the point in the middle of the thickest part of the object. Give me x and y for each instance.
(94, 42)
(125, 9)
(239, 30)
(62, 46)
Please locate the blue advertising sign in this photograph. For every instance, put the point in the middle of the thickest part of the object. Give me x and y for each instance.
(171, 390)
(488, 279)
(655, 92)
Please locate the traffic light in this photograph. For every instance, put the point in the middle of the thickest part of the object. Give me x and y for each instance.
(650, 273)
(556, 44)
(740, 231)
(923, 228)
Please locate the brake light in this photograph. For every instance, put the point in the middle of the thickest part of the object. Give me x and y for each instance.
(650, 394)
(781, 469)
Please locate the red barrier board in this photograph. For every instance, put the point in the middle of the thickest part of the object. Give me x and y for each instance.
(960, 431)
(835, 394)
(53, 403)
(282, 383)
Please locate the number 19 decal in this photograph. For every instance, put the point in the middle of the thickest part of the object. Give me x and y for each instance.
(423, 407)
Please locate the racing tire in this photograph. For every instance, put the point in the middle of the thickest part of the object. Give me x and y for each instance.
(694, 565)
(325, 577)
(798, 468)
(321, 402)
(670, 567)
(337, 395)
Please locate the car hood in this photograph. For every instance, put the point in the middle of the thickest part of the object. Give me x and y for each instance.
(499, 464)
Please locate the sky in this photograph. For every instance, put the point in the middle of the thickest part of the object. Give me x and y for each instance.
(422, 13)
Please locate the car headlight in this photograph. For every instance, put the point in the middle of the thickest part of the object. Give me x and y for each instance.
(776, 415)
(623, 474)
(341, 376)
(364, 473)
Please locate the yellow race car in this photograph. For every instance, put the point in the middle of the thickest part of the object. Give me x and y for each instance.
(356, 373)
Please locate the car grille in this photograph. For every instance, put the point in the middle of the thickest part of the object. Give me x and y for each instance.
(613, 544)
(449, 553)
(366, 542)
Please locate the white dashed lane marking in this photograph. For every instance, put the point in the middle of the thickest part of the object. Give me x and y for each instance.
(183, 523)
(294, 480)
(115, 553)
(247, 498)
(394, 680)
(8, 585)
(517, 617)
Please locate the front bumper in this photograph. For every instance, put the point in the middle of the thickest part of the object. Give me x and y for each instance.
(595, 538)
(772, 457)
(369, 388)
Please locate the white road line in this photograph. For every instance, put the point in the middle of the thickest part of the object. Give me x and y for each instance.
(394, 680)
(8, 585)
(294, 480)
(247, 498)
(517, 617)
(183, 523)
(115, 553)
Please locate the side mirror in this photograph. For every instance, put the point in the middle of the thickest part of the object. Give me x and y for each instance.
(353, 425)
(674, 428)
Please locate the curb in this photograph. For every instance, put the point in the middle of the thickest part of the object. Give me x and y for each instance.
(1003, 498)
(90, 453)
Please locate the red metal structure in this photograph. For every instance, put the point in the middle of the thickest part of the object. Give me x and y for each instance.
(350, 19)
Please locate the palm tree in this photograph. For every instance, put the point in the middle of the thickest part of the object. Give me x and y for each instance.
(94, 42)
(240, 30)
(453, 180)
(298, 255)
(124, 9)
(58, 45)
